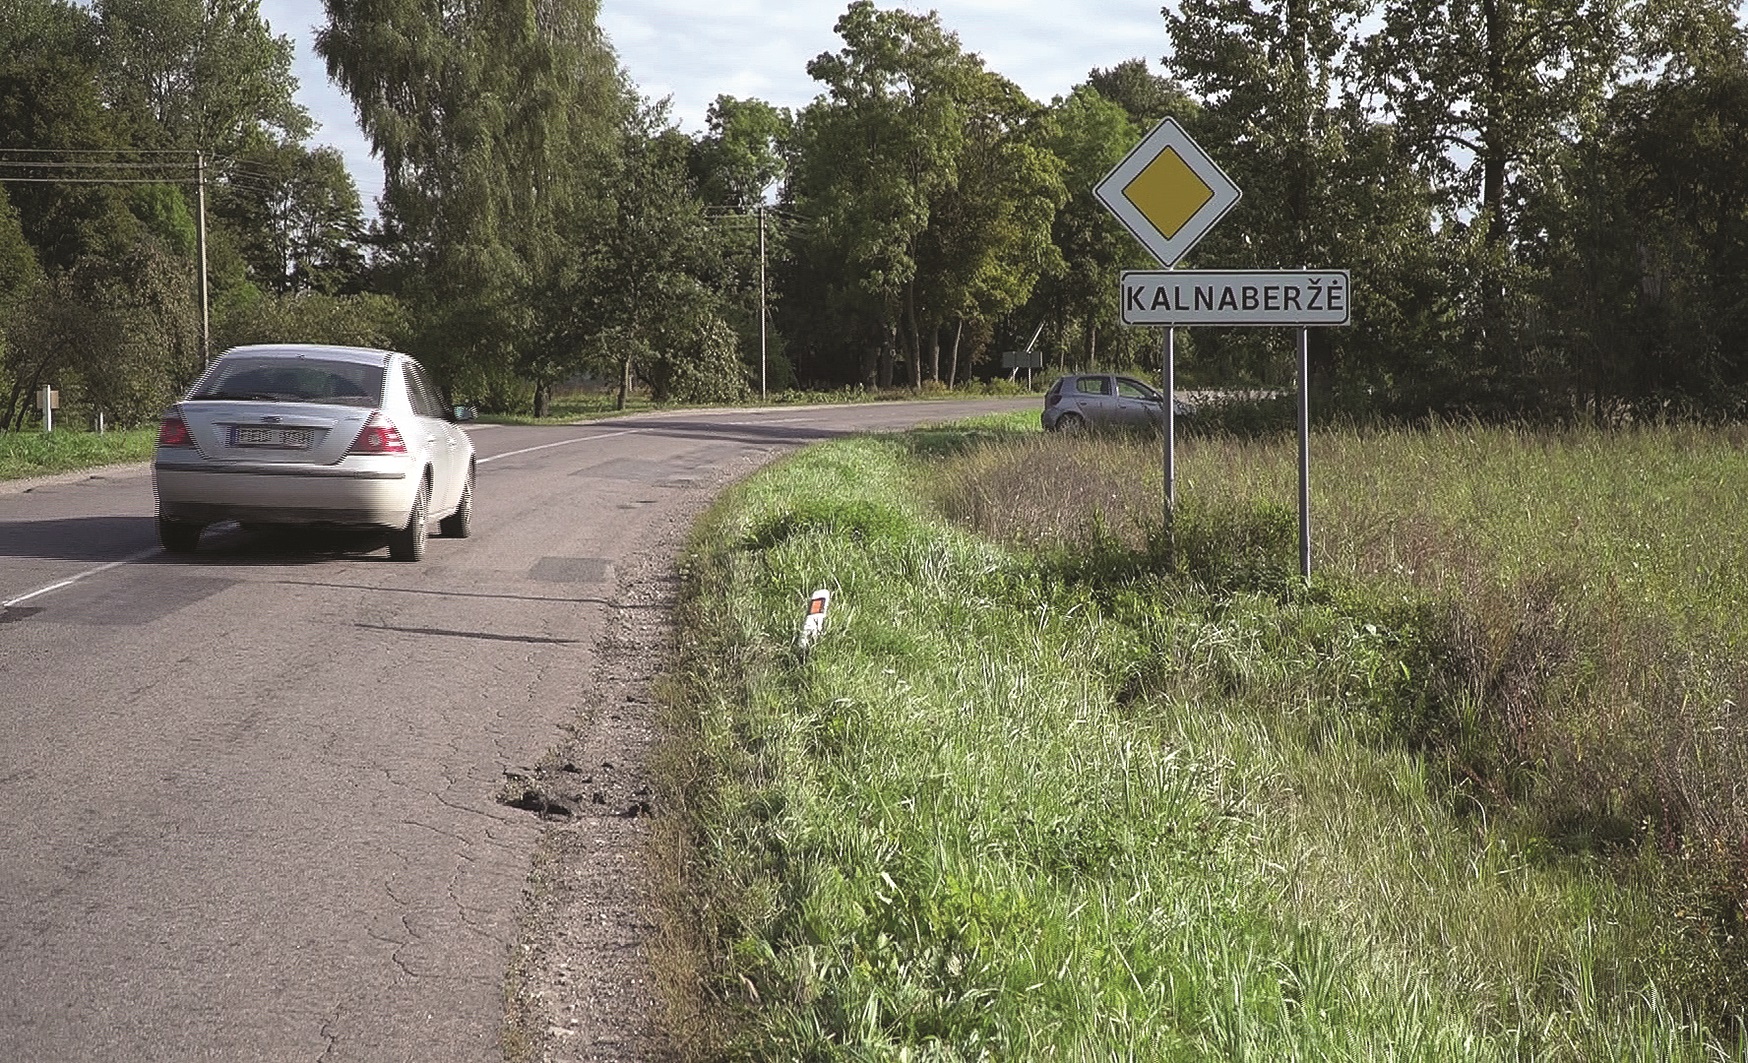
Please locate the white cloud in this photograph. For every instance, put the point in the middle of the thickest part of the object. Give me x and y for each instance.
(694, 50)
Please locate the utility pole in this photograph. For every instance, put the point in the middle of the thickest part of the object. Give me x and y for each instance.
(200, 241)
(763, 395)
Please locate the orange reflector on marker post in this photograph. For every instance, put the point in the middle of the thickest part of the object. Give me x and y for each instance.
(814, 623)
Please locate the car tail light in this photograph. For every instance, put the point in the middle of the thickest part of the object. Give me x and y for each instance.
(379, 436)
(173, 432)
(1052, 398)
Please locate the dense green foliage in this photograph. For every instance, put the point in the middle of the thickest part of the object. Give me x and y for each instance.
(1543, 204)
(1043, 790)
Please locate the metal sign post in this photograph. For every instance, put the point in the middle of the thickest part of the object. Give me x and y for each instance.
(1305, 453)
(1168, 371)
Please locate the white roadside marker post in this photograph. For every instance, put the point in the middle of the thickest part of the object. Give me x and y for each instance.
(813, 624)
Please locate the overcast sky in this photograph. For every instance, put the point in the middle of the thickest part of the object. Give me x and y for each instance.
(696, 50)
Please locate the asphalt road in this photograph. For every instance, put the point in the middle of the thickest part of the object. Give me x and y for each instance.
(247, 798)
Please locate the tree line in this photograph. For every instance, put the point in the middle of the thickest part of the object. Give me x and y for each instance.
(1543, 205)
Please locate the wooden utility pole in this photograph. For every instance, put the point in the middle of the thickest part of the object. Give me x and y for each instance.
(200, 241)
(762, 390)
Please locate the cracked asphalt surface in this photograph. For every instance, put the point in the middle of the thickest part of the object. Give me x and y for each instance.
(288, 800)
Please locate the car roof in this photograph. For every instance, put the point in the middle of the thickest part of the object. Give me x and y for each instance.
(333, 352)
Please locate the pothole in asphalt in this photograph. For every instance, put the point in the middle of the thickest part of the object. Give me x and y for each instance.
(560, 792)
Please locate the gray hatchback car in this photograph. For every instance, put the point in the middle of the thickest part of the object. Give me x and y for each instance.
(1104, 400)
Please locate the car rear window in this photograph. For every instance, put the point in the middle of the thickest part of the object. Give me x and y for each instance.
(1093, 385)
(254, 379)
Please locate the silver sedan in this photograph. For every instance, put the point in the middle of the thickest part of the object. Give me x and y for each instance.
(345, 437)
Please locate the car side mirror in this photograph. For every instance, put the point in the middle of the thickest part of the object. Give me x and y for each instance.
(463, 413)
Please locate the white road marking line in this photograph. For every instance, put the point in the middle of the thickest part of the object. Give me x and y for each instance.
(560, 443)
(69, 581)
(142, 555)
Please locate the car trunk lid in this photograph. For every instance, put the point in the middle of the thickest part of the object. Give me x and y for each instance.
(274, 432)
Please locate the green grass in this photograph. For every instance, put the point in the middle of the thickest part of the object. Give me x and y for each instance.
(573, 406)
(581, 405)
(25, 454)
(1046, 792)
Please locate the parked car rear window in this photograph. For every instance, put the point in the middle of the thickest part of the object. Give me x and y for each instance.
(292, 380)
(1093, 385)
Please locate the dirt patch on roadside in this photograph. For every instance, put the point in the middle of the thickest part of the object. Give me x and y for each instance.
(581, 982)
(579, 985)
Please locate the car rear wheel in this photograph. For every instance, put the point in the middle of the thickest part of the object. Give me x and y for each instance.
(459, 525)
(408, 544)
(179, 536)
(1071, 424)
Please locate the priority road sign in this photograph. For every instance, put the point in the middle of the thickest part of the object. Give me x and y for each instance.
(1168, 192)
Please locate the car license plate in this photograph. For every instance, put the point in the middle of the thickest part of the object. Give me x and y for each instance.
(282, 438)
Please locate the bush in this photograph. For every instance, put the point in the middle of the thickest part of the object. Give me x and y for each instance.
(367, 320)
(705, 368)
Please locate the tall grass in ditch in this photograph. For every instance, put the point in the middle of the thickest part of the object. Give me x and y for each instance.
(1039, 795)
(1591, 592)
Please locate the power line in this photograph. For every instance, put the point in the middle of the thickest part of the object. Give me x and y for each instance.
(98, 151)
(98, 180)
(36, 164)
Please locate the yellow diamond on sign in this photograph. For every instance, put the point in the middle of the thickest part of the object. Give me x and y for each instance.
(1168, 193)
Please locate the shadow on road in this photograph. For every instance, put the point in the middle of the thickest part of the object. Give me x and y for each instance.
(102, 539)
(78, 538)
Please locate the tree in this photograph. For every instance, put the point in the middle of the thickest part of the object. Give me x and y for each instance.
(988, 242)
(363, 320)
(642, 307)
(1646, 248)
(1324, 183)
(1091, 134)
(493, 121)
(1491, 97)
(735, 164)
(200, 74)
(114, 333)
(51, 103)
(1145, 96)
(927, 198)
(297, 217)
(20, 277)
(740, 155)
(1483, 90)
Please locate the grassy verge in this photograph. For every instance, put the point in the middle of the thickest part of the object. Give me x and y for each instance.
(574, 406)
(1047, 791)
(578, 406)
(24, 454)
